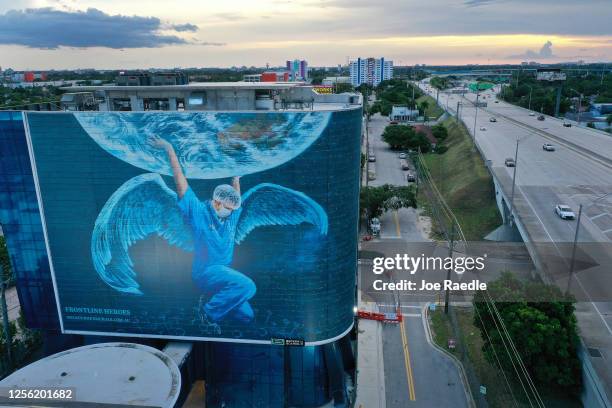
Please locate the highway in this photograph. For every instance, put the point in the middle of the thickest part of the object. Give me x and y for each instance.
(578, 172)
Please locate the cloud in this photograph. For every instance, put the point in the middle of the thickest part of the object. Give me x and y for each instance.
(544, 53)
(185, 27)
(476, 3)
(50, 28)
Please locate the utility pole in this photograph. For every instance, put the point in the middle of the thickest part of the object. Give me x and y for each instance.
(451, 245)
(558, 101)
(458, 106)
(579, 107)
(513, 183)
(571, 271)
(476, 115)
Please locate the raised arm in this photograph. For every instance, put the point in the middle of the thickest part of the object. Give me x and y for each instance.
(236, 184)
(179, 178)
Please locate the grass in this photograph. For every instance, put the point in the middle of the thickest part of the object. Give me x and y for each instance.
(498, 395)
(465, 183)
(433, 110)
(441, 328)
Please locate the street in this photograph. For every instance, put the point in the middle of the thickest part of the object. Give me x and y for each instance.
(416, 374)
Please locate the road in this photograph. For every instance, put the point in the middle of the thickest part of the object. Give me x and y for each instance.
(416, 374)
(578, 172)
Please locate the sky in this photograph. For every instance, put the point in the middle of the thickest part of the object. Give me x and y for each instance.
(125, 34)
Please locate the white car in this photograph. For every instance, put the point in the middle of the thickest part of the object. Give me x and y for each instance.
(402, 155)
(482, 128)
(531, 113)
(564, 212)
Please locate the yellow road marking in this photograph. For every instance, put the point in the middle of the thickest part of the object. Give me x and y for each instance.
(409, 375)
(397, 226)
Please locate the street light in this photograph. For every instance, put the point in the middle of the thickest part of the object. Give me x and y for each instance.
(514, 176)
(579, 104)
(573, 261)
(476, 112)
(530, 90)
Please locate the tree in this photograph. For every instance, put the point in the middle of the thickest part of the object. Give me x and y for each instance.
(397, 136)
(541, 323)
(4, 260)
(373, 201)
(344, 87)
(401, 137)
(423, 106)
(609, 119)
(439, 131)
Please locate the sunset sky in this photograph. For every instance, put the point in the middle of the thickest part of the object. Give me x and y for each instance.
(45, 34)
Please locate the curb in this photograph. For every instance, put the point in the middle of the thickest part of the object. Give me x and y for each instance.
(466, 385)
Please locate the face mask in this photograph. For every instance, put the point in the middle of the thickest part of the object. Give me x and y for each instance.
(223, 212)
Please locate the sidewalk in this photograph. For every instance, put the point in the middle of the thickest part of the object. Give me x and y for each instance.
(370, 362)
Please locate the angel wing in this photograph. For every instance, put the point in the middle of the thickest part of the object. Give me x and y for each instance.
(271, 204)
(142, 206)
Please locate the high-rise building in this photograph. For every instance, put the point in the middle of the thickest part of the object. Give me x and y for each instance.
(370, 71)
(298, 70)
(128, 240)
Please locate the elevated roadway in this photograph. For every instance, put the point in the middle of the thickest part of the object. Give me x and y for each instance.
(578, 172)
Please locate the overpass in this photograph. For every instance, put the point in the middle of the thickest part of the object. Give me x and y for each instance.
(578, 172)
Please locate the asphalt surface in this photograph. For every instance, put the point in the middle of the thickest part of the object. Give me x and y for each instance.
(578, 172)
(416, 374)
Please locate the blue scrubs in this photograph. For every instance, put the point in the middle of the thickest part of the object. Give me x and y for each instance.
(213, 252)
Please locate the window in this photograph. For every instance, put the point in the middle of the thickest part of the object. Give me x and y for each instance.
(197, 98)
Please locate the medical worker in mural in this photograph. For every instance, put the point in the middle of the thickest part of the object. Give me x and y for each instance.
(210, 228)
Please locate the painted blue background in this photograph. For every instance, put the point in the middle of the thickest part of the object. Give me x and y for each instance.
(302, 291)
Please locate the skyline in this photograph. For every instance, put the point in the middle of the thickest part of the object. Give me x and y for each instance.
(64, 34)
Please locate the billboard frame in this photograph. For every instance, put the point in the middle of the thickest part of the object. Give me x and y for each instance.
(129, 334)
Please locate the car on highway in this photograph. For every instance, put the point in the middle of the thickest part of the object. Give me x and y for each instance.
(492, 120)
(402, 155)
(404, 164)
(375, 226)
(371, 158)
(567, 124)
(531, 113)
(564, 212)
(541, 117)
(496, 101)
(410, 177)
(548, 147)
(393, 122)
(482, 128)
(509, 162)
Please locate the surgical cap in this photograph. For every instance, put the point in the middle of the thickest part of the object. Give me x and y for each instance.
(226, 194)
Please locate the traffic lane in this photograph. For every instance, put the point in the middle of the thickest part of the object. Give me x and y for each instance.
(586, 138)
(437, 381)
(397, 376)
(401, 224)
(536, 166)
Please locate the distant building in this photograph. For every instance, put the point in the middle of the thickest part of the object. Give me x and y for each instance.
(336, 80)
(298, 70)
(272, 76)
(371, 71)
(140, 78)
(403, 114)
(251, 78)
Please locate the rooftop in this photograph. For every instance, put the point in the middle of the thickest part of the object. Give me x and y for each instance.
(190, 87)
